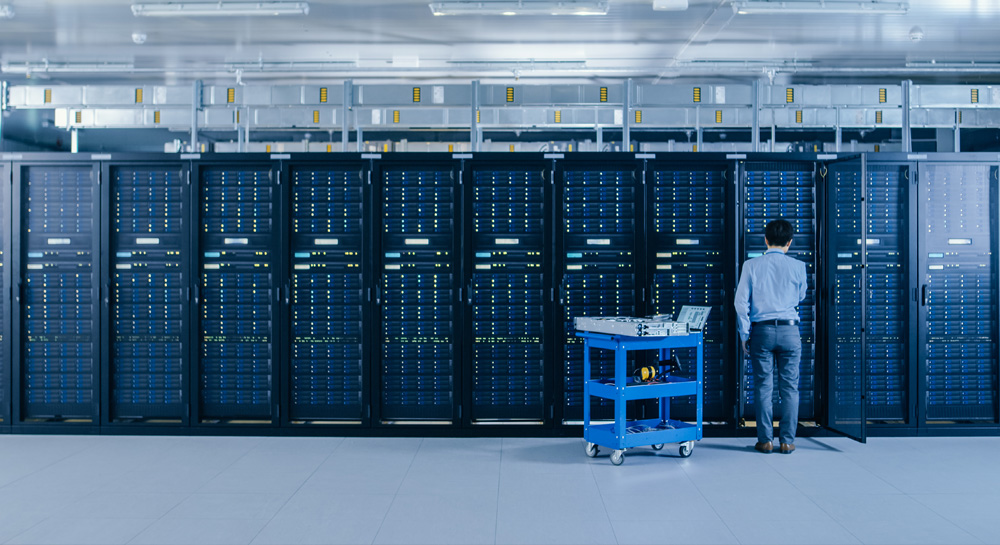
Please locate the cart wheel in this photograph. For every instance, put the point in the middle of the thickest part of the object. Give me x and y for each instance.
(591, 450)
(617, 457)
(657, 446)
(686, 449)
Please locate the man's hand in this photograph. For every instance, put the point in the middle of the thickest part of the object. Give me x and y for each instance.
(745, 349)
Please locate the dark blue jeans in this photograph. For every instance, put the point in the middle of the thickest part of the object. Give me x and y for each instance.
(771, 345)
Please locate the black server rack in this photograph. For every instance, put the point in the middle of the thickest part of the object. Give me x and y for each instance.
(6, 228)
(784, 189)
(887, 324)
(148, 272)
(238, 292)
(958, 292)
(689, 264)
(329, 292)
(508, 291)
(418, 288)
(58, 285)
(599, 203)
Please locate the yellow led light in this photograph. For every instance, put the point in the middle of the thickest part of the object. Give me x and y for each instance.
(558, 116)
(878, 116)
(798, 116)
(48, 96)
(138, 96)
(156, 116)
(416, 94)
(718, 116)
(697, 94)
(231, 95)
(975, 96)
(322, 94)
(395, 116)
(638, 116)
(789, 95)
(510, 94)
(604, 94)
(315, 116)
(882, 95)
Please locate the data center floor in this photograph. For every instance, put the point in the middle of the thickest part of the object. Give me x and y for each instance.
(214, 490)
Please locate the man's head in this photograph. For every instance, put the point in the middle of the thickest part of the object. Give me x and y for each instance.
(778, 234)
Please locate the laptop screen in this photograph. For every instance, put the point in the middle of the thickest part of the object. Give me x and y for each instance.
(695, 317)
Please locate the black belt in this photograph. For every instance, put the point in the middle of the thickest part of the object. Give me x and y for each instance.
(776, 322)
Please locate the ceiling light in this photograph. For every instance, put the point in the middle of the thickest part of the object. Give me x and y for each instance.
(670, 5)
(6, 12)
(220, 9)
(521, 7)
(773, 7)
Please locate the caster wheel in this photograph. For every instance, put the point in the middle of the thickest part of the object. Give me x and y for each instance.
(686, 449)
(617, 457)
(657, 447)
(591, 450)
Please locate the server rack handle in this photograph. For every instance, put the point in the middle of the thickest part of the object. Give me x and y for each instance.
(923, 295)
(468, 293)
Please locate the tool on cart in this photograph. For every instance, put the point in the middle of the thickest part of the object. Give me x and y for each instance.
(650, 373)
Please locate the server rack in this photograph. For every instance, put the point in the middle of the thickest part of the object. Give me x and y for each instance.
(508, 291)
(778, 187)
(57, 290)
(329, 316)
(418, 290)
(690, 262)
(6, 228)
(600, 205)
(958, 292)
(146, 320)
(238, 290)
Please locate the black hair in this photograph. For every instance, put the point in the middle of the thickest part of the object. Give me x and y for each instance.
(778, 232)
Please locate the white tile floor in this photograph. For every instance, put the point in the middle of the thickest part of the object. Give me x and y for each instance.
(218, 490)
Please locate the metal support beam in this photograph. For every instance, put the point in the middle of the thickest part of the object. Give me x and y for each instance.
(838, 134)
(697, 129)
(600, 138)
(772, 138)
(361, 144)
(755, 129)
(74, 141)
(958, 131)
(627, 114)
(907, 137)
(3, 108)
(195, 106)
(239, 133)
(474, 135)
(345, 126)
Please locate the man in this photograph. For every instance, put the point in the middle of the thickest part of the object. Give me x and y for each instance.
(770, 288)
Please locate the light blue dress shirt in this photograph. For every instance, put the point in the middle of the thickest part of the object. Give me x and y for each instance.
(770, 288)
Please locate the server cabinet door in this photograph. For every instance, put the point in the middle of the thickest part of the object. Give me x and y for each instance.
(418, 289)
(597, 232)
(783, 189)
(689, 263)
(958, 292)
(329, 256)
(148, 269)
(5, 303)
(238, 298)
(508, 254)
(846, 244)
(59, 285)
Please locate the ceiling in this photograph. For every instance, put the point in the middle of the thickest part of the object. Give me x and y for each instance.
(384, 40)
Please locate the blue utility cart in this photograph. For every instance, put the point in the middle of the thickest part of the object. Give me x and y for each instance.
(623, 434)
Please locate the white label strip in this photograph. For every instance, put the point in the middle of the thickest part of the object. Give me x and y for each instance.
(736, 156)
(123, 265)
(237, 241)
(486, 266)
(665, 254)
(58, 241)
(959, 241)
(665, 267)
(508, 241)
(35, 266)
(574, 267)
(826, 157)
(417, 241)
(844, 267)
(873, 241)
(301, 267)
(936, 267)
(147, 241)
(211, 266)
(327, 241)
(688, 241)
(599, 241)
(392, 267)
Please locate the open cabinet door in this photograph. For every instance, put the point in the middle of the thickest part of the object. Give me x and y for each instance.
(846, 303)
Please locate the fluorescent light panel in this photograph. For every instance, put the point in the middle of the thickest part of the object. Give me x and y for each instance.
(218, 9)
(521, 7)
(6, 12)
(749, 7)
